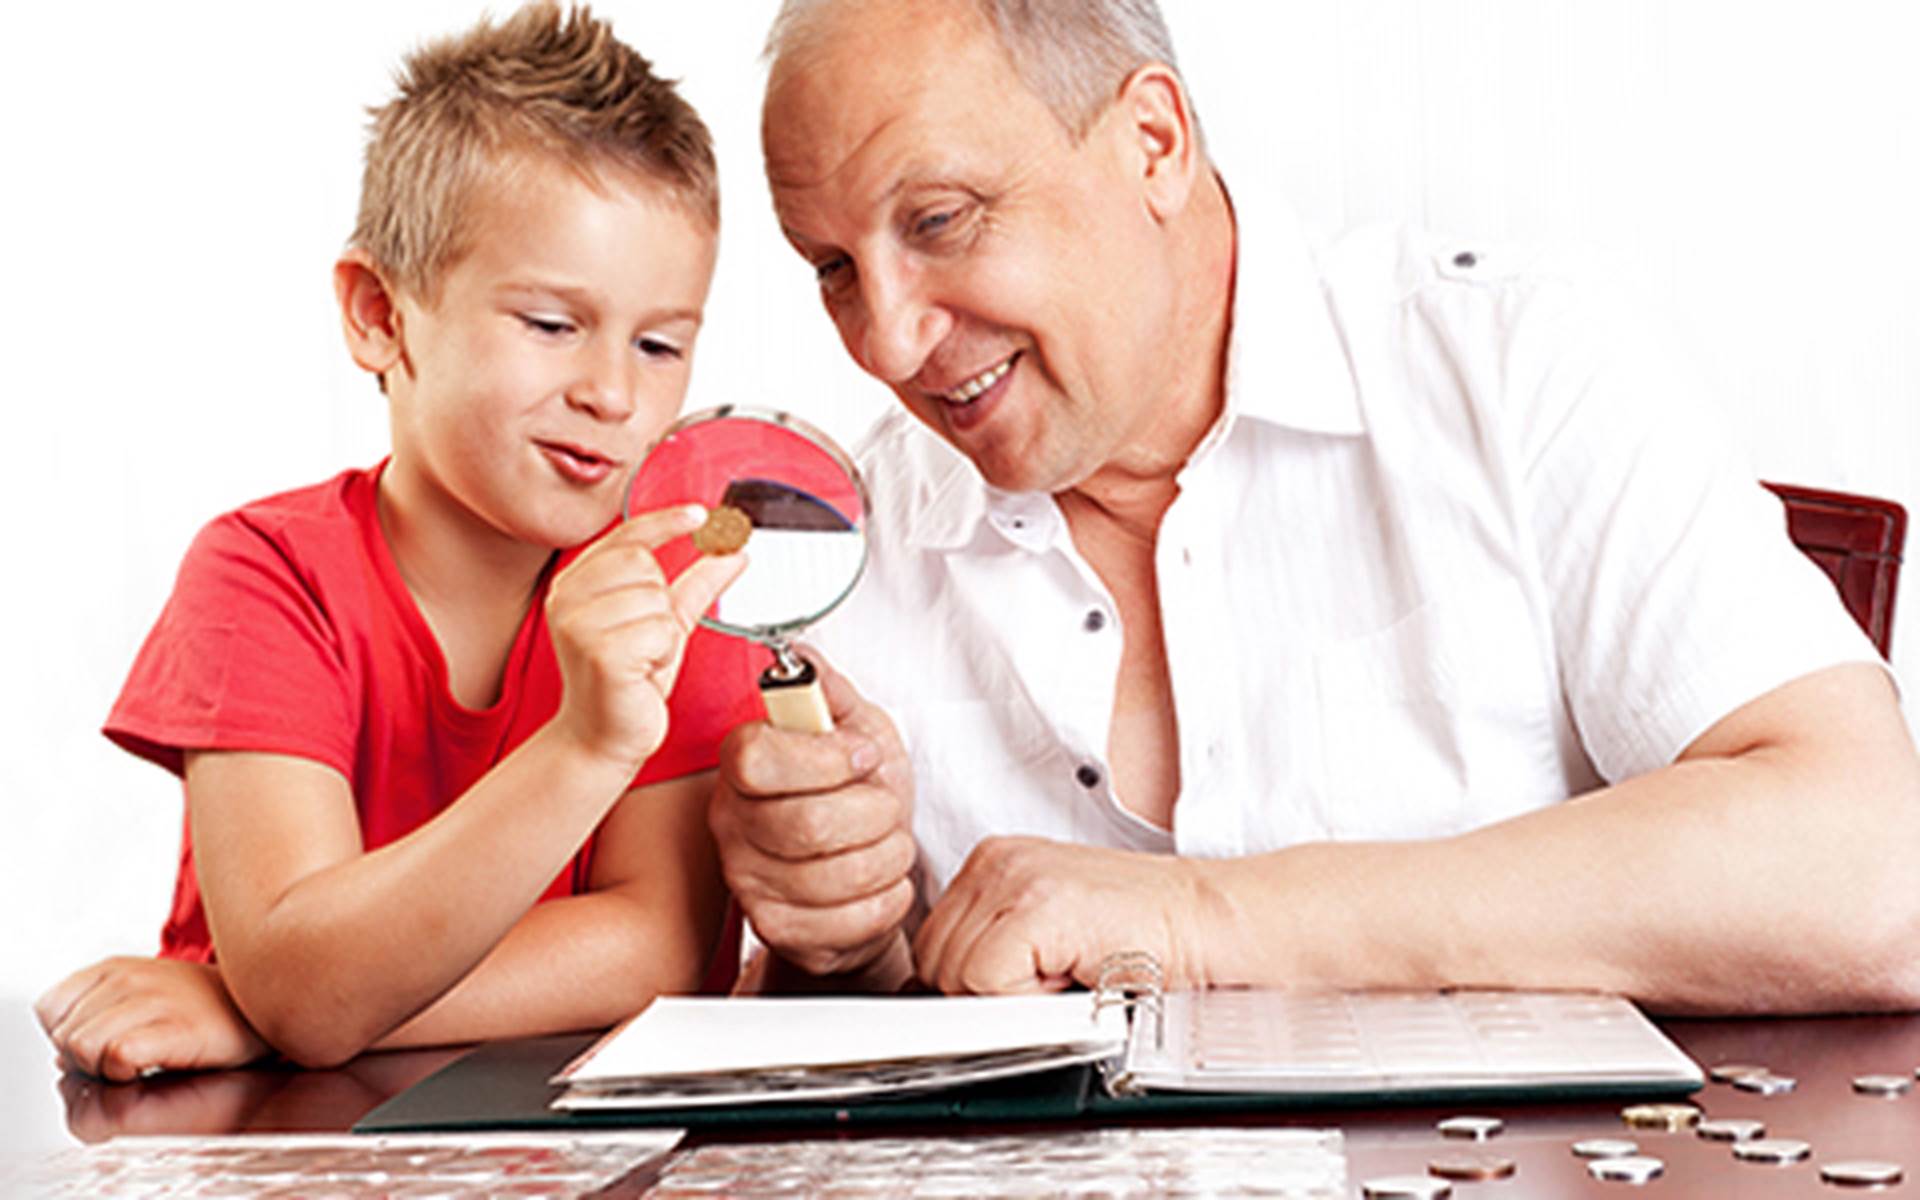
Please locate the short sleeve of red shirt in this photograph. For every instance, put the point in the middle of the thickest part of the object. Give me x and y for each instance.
(289, 631)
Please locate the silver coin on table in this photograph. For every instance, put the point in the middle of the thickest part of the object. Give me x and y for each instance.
(1727, 1072)
(1731, 1129)
(1862, 1172)
(1406, 1187)
(1605, 1148)
(1475, 1129)
(1768, 1084)
(1882, 1085)
(1635, 1168)
(1777, 1152)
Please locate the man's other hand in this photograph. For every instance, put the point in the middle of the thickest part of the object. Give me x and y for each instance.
(1025, 914)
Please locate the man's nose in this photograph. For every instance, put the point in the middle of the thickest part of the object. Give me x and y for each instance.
(606, 382)
(899, 324)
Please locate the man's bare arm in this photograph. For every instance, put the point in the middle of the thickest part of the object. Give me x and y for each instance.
(1769, 869)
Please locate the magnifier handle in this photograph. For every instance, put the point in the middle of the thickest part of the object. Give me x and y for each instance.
(796, 701)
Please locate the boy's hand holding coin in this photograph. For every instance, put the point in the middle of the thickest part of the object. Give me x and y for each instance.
(620, 630)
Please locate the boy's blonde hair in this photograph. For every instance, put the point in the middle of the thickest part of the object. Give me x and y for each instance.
(545, 81)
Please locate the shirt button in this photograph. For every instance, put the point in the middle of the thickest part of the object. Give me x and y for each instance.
(1465, 259)
(1094, 621)
(1088, 775)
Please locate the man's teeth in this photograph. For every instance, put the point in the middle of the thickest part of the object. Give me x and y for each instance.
(979, 383)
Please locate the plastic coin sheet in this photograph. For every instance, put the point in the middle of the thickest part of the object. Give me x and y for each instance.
(310, 1165)
(1306, 1163)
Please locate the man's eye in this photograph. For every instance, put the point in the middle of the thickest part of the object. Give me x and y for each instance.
(828, 269)
(657, 348)
(933, 223)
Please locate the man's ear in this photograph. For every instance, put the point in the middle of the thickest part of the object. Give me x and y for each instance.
(369, 314)
(1153, 104)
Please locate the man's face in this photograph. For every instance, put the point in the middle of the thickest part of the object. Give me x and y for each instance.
(557, 346)
(1000, 278)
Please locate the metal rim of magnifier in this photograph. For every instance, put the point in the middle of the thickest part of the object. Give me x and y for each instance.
(770, 634)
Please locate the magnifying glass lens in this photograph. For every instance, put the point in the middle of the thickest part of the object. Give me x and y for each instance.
(781, 493)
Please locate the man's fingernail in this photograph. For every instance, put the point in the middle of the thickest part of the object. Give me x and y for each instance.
(865, 757)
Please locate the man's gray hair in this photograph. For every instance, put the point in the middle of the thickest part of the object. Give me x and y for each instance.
(1073, 54)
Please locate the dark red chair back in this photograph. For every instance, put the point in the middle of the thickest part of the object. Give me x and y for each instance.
(1857, 540)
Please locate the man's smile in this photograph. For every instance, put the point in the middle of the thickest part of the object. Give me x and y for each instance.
(970, 390)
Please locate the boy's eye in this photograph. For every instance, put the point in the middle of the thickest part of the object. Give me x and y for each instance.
(551, 326)
(658, 348)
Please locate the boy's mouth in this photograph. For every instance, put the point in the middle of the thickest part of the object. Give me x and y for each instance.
(576, 463)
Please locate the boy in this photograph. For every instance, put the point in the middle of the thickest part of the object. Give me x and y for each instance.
(404, 713)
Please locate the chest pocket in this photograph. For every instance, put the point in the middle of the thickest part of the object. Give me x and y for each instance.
(1438, 723)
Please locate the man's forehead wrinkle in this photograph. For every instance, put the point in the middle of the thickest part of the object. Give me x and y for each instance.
(801, 172)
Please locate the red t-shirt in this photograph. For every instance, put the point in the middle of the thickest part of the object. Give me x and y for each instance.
(289, 631)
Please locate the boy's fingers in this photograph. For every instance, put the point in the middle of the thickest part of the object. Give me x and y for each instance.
(700, 585)
(657, 528)
(58, 1002)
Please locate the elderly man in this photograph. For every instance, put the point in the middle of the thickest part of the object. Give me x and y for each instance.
(1381, 615)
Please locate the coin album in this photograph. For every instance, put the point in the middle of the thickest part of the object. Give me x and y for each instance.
(1141, 1040)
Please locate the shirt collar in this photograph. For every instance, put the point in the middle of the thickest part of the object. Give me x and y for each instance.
(1286, 360)
(1286, 364)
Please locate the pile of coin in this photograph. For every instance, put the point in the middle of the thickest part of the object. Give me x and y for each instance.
(1619, 1160)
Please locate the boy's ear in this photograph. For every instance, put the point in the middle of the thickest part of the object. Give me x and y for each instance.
(1154, 110)
(369, 314)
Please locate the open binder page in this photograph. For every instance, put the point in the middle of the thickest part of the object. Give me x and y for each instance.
(1238, 1040)
(683, 1051)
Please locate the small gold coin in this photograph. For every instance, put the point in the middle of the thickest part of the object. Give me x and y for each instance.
(727, 529)
(1471, 1167)
(1668, 1117)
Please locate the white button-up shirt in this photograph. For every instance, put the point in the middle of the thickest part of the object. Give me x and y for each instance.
(1461, 545)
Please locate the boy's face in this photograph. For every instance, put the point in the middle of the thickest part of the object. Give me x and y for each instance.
(558, 346)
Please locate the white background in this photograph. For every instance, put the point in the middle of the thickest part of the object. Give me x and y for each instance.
(182, 175)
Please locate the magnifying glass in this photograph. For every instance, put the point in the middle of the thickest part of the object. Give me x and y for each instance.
(782, 493)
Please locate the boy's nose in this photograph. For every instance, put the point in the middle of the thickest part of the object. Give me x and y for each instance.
(607, 385)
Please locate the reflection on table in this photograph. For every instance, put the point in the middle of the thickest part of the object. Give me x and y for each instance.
(1823, 1055)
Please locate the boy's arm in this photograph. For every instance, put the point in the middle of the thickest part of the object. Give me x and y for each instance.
(647, 925)
(327, 947)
